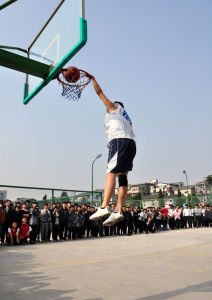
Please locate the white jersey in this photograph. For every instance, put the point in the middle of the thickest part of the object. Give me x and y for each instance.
(118, 124)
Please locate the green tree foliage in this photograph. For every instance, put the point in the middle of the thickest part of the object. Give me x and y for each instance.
(160, 198)
(64, 196)
(179, 194)
(160, 194)
(209, 179)
(137, 196)
(179, 201)
(194, 200)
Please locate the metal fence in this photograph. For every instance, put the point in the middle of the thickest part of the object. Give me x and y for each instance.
(48, 195)
(159, 202)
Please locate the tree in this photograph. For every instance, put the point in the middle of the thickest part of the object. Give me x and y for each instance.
(160, 198)
(137, 196)
(179, 195)
(209, 179)
(64, 196)
(194, 200)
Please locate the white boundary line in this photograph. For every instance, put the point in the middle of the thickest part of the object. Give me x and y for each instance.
(56, 39)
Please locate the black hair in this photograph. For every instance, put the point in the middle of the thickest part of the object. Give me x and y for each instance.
(119, 103)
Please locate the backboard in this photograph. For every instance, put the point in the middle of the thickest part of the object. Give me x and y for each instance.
(63, 35)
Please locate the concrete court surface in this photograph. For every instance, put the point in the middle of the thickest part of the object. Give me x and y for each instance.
(167, 265)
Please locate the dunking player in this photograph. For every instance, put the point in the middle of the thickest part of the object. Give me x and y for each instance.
(122, 150)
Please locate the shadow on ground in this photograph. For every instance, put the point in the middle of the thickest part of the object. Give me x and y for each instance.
(205, 287)
(24, 283)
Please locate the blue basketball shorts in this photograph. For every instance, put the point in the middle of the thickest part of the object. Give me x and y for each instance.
(121, 154)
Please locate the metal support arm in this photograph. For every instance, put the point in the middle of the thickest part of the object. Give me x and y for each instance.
(23, 64)
(7, 3)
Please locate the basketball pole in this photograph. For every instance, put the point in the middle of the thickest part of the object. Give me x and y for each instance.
(7, 4)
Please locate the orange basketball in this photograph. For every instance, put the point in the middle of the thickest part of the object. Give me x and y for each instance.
(72, 74)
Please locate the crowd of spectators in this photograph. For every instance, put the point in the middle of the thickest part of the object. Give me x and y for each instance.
(25, 223)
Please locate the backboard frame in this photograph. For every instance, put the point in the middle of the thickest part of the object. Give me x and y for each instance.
(55, 69)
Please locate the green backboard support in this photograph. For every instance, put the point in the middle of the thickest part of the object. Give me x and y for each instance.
(63, 35)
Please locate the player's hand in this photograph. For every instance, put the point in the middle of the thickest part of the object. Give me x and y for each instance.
(90, 76)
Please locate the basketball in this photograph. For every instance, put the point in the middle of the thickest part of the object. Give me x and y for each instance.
(72, 74)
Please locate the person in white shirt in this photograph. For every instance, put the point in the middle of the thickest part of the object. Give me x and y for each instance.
(202, 215)
(171, 217)
(122, 150)
(186, 216)
(191, 225)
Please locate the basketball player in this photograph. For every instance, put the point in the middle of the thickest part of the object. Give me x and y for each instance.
(122, 150)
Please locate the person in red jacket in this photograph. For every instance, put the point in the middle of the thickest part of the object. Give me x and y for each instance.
(164, 212)
(25, 231)
(13, 237)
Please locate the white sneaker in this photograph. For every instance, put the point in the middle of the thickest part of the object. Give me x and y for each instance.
(114, 218)
(100, 213)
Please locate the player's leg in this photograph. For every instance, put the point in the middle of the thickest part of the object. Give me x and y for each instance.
(117, 215)
(122, 191)
(109, 188)
(103, 210)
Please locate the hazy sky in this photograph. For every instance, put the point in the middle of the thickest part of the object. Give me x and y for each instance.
(153, 55)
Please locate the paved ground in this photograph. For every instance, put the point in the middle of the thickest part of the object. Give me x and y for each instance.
(169, 265)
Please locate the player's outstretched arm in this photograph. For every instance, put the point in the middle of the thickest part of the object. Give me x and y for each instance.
(109, 105)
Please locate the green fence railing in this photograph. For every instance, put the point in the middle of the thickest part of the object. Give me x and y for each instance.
(48, 195)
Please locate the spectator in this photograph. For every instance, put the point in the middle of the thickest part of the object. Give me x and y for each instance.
(71, 225)
(94, 224)
(9, 215)
(197, 216)
(17, 216)
(34, 221)
(186, 217)
(191, 216)
(129, 220)
(80, 223)
(55, 224)
(25, 231)
(18, 204)
(135, 220)
(25, 213)
(171, 218)
(87, 221)
(207, 216)
(177, 217)
(3, 216)
(64, 217)
(45, 218)
(13, 237)
(150, 225)
(158, 219)
(164, 212)
(202, 215)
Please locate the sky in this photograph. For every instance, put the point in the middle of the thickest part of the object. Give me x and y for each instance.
(152, 55)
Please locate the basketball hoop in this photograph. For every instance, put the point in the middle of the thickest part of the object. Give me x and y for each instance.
(72, 88)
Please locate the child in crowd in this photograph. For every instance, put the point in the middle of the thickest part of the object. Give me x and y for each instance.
(25, 231)
(13, 237)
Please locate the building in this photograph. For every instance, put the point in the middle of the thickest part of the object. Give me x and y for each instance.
(3, 195)
(142, 188)
(190, 191)
(167, 189)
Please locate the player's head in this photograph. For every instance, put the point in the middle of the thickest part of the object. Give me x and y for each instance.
(120, 103)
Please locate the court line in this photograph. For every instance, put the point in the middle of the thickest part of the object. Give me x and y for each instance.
(103, 259)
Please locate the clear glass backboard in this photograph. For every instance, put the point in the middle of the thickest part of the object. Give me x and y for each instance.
(63, 35)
